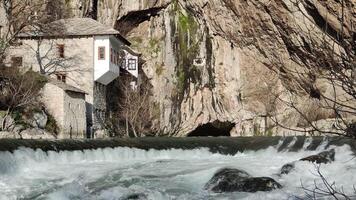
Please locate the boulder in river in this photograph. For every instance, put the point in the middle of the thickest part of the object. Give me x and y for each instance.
(235, 180)
(287, 168)
(135, 197)
(323, 157)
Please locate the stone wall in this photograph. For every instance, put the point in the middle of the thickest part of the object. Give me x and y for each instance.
(100, 106)
(68, 109)
(53, 99)
(75, 123)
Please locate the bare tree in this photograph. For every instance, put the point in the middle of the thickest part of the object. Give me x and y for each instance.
(18, 90)
(326, 189)
(20, 15)
(48, 60)
(135, 109)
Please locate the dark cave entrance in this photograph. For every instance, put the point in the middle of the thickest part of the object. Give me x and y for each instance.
(213, 129)
(134, 18)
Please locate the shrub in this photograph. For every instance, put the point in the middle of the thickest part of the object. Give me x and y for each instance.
(17, 89)
(51, 125)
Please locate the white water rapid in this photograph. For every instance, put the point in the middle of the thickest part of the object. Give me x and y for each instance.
(124, 173)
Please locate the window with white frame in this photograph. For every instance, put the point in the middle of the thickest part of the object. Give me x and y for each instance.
(131, 64)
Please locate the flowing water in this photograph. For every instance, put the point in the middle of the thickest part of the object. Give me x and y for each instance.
(128, 173)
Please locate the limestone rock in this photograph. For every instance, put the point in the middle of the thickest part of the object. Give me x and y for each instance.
(228, 73)
(8, 121)
(35, 133)
(39, 120)
(9, 135)
(235, 180)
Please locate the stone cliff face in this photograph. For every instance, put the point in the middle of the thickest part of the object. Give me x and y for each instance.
(226, 60)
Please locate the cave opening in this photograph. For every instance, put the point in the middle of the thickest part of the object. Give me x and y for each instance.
(131, 20)
(213, 129)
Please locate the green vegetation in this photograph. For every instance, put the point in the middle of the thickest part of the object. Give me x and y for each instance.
(160, 69)
(136, 41)
(38, 79)
(51, 125)
(19, 96)
(2, 113)
(269, 132)
(187, 43)
(209, 54)
(154, 46)
(256, 130)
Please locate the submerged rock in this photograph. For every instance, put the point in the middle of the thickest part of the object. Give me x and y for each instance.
(323, 157)
(235, 180)
(287, 168)
(135, 197)
(256, 184)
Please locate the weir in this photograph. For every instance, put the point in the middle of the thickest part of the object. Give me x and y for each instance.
(169, 168)
(222, 145)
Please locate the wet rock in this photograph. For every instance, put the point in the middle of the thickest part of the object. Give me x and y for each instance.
(256, 184)
(287, 168)
(18, 128)
(136, 197)
(235, 180)
(7, 121)
(323, 157)
(36, 133)
(10, 135)
(39, 120)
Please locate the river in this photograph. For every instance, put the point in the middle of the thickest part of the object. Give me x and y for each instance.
(138, 172)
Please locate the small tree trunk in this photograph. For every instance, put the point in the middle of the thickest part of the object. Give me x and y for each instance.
(127, 127)
(134, 131)
(3, 123)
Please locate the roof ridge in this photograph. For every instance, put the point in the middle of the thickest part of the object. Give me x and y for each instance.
(76, 26)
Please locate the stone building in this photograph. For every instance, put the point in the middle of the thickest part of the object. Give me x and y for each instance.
(67, 105)
(82, 53)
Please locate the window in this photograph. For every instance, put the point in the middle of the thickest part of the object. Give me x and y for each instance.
(101, 53)
(132, 64)
(111, 56)
(114, 55)
(123, 63)
(61, 77)
(16, 61)
(118, 58)
(60, 48)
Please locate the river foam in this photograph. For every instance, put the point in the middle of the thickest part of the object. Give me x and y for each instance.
(124, 173)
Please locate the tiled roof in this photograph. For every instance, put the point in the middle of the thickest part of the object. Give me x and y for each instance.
(65, 86)
(72, 27)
